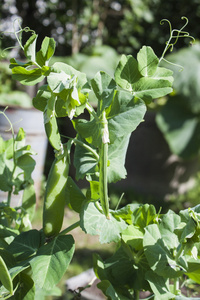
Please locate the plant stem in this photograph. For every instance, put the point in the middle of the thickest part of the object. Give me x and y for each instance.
(70, 228)
(136, 295)
(91, 111)
(176, 285)
(103, 185)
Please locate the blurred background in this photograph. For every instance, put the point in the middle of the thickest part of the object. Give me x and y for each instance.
(163, 157)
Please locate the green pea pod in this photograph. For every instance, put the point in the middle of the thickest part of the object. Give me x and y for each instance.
(55, 196)
(52, 133)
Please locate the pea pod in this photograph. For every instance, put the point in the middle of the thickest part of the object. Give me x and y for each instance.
(52, 133)
(55, 196)
(50, 123)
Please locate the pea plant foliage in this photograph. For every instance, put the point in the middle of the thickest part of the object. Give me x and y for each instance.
(155, 252)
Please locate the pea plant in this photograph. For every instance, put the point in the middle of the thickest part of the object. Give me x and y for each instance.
(155, 252)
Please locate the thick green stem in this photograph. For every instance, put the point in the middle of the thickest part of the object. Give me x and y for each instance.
(176, 286)
(136, 295)
(103, 184)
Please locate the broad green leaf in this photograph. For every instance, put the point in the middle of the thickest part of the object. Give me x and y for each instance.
(147, 61)
(170, 221)
(46, 52)
(120, 268)
(51, 261)
(144, 215)
(6, 168)
(93, 222)
(85, 161)
(26, 290)
(158, 254)
(159, 285)
(27, 164)
(116, 157)
(156, 82)
(6, 232)
(133, 236)
(75, 197)
(104, 88)
(59, 81)
(25, 245)
(109, 291)
(27, 77)
(194, 273)
(62, 67)
(5, 276)
(94, 190)
(16, 63)
(40, 100)
(89, 130)
(180, 128)
(19, 268)
(149, 88)
(127, 72)
(20, 135)
(29, 48)
(7, 256)
(125, 114)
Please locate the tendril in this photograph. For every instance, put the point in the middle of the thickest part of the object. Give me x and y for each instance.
(175, 34)
(18, 35)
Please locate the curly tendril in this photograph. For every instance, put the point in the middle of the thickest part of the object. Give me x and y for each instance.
(18, 34)
(175, 34)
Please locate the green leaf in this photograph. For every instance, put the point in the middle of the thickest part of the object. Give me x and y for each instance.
(156, 82)
(25, 245)
(29, 47)
(147, 61)
(40, 100)
(84, 160)
(27, 77)
(46, 52)
(158, 254)
(62, 67)
(159, 285)
(74, 195)
(109, 291)
(116, 157)
(6, 168)
(133, 236)
(16, 63)
(104, 88)
(170, 221)
(51, 261)
(148, 88)
(93, 222)
(125, 114)
(59, 81)
(5, 276)
(26, 290)
(89, 130)
(144, 215)
(127, 72)
(27, 164)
